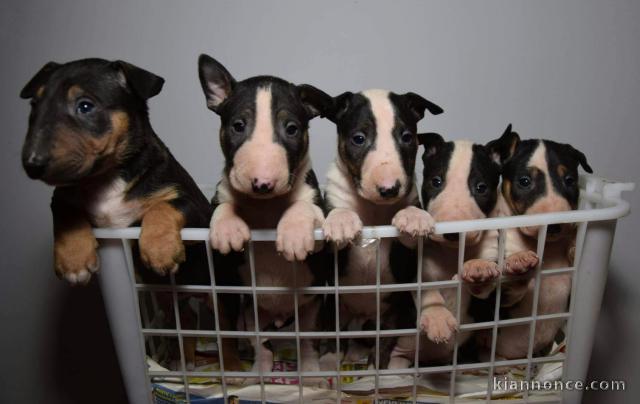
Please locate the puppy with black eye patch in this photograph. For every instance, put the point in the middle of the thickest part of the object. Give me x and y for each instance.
(538, 176)
(89, 136)
(372, 183)
(460, 182)
(268, 183)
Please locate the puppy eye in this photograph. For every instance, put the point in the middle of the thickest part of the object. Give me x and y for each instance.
(524, 181)
(481, 188)
(239, 126)
(291, 129)
(436, 181)
(358, 139)
(406, 137)
(569, 180)
(84, 107)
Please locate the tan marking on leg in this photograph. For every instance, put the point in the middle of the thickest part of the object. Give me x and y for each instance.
(75, 256)
(161, 246)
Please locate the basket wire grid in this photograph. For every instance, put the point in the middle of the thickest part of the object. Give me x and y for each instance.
(600, 206)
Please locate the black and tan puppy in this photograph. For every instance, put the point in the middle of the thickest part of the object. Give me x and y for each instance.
(90, 137)
(268, 183)
(538, 176)
(372, 183)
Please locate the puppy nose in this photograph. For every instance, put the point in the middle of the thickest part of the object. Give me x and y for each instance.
(261, 186)
(554, 229)
(451, 236)
(35, 165)
(389, 192)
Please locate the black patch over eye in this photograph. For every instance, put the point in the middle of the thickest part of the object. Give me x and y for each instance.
(481, 188)
(406, 137)
(358, 138)
(291, 129)
(239, 126)
(569, 180)
(524, 181)
(84, 107)
(436, 181)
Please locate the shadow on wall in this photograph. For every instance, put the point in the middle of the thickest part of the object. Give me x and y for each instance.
(85, 364)
(610, 336)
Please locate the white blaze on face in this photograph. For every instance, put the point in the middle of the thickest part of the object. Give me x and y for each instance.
(455, 201)
(551, 201)
(382, 167)
(260, 160)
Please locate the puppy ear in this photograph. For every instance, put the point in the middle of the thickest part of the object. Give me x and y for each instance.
(144, 83)
(37, 81)
(217, 83)
(502, 149)
(340, 106)
(417, 105)
(431, 142)
(580, 157)
(315, 101)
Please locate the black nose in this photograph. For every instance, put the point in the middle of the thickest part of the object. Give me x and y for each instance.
(35, 165)
(261, 188)
(451, 236)
(554, 229)
(390, 192)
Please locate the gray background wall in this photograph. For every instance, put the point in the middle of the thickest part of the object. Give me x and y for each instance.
(565, 70)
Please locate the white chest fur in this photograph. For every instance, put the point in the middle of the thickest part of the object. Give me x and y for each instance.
(108, 207)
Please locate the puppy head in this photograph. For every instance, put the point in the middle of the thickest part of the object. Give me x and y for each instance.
(539, 176)
(377, 140)
(264, 127)
(84, 118)
(460, 182)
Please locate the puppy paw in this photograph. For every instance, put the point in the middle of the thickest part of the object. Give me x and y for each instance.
(479, 270)
(294, 238)
(229, 234)
(478, 275)
(520, 263)
(161, 251)
(439, 324)
(414, 222)
(342, 226)
(76, 259)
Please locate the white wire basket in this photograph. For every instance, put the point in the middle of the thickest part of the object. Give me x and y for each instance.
(600, 206)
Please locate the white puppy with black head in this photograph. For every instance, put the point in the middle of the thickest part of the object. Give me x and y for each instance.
(460, 182)
(268, 183)
(371, 183)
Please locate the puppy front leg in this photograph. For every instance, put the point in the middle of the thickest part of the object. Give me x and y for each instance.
(435, 318)
(413, 222)
(161, 247)
(294, 234)
(342, 226)
(479, 275)
(227, 230)
(309, 356)
(75, 257)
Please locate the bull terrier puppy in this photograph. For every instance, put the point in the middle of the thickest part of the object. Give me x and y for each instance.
(90, 137)
(538, 176)
(268, 183)
(460, 182)
(371, 183)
